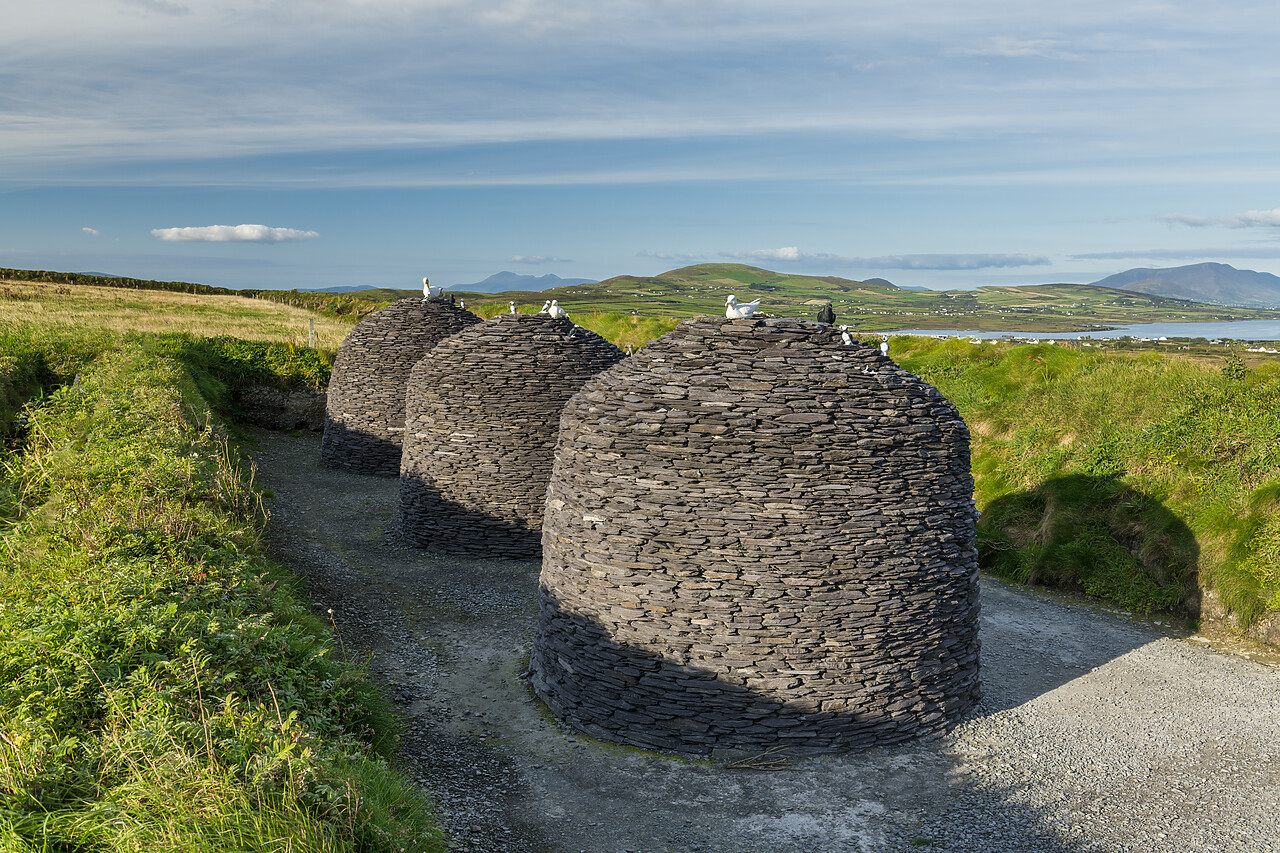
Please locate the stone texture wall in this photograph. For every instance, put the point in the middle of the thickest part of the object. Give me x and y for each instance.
(482, 413)
(364, 411)
(758, 537)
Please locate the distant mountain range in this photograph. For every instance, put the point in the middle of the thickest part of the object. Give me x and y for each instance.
(504, 281)
(1215, 283)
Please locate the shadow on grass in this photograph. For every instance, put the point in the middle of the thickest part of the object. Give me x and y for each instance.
(1095, 535)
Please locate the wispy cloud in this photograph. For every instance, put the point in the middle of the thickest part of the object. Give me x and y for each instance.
(1016, 48)
(1248, 219)
(1186, 219)
(1260, 252)
(958, 261)
(93, 232)
(670, 256)
(537, 259)
(231, 234)
(1255, 219)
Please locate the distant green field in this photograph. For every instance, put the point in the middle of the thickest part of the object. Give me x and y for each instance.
(702, 289)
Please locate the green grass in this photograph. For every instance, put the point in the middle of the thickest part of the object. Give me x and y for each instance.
(162, 686)
(1130, 477)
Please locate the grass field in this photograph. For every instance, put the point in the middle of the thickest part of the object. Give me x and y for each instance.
(96, 309)
(1139, 478)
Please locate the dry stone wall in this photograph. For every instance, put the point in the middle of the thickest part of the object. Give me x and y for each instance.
(482, 412)
(364, 410)
(757, 536)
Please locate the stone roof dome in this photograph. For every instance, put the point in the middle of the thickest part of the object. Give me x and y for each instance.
(364, 411)
(482, 414)
(757, 536)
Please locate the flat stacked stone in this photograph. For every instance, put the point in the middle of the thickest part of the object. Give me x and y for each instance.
(364, 411)
(755, 537)
(482, 413)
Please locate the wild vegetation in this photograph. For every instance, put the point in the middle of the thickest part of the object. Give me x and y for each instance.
(1119, 474)
(162, 686)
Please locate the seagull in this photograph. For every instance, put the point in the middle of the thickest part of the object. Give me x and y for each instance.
(462, 303)
(884, 345)
(734, 311)
(556, 312)
(845, 336)
(513, 306)
(545, 306)
(429, 291)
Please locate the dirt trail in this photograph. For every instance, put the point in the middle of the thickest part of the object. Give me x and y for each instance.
(1096, 733)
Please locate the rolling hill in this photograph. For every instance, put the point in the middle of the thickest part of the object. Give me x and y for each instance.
(1215, 283)
(876, 305)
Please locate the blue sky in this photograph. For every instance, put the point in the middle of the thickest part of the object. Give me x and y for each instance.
(274, 143)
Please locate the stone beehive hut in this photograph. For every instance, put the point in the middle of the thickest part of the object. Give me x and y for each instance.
(364, 412)
(757, 536)
(480, 431)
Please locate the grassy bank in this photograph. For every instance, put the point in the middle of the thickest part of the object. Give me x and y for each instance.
(162, 687)
(92, 310)
(1136, 478)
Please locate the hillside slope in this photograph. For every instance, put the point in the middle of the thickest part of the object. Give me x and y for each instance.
(1217, 283)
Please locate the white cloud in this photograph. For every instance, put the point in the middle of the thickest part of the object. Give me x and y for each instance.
(786, 253)
(1255, 219)
(1248, 219)
(537, 259)
(231, 234)
(93, 232)
(1185, 219)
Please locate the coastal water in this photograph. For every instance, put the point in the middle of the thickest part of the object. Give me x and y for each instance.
(1244, 330)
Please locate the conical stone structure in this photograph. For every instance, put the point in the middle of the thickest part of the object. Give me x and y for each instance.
(482, 413)
(757, 536)
(364, 410)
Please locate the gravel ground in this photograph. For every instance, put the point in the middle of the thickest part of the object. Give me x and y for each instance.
(1097, 732)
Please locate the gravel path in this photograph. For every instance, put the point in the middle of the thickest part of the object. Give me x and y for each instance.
(1097, 732)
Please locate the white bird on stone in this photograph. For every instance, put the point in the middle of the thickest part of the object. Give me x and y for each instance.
(556, 312)
(884, 345)
(545, 306)
(513, 306)
(429, 291)
(734, 311)
(462, 303)
(845, 336)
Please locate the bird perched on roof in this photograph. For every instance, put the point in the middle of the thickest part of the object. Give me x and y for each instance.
(428, 290)
(556, 312)
(884, 345)
(845, 337)
(734, 311)
(545, 306)
(513, 306)
(826, 314)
